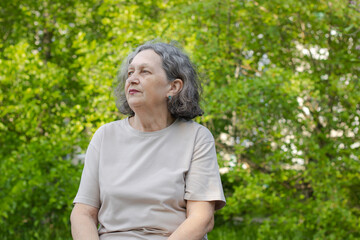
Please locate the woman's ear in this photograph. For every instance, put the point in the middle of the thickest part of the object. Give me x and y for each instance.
(176, 86)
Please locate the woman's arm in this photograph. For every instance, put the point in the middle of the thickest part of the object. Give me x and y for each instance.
(199, 221)
(84, 220)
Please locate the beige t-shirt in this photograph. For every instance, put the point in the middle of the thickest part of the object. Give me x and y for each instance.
(140, 181)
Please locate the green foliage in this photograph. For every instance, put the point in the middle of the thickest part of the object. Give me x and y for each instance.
(281, 95)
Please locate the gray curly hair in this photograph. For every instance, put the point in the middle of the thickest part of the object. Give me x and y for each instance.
(177, 65)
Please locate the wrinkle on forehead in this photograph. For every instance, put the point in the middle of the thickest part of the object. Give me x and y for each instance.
(147, 54)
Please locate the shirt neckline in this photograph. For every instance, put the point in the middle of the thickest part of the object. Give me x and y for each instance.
(149, 134)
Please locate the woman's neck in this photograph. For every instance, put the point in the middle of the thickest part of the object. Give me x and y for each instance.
(151, 122)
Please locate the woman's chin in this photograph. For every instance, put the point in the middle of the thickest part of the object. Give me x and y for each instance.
(133, 104)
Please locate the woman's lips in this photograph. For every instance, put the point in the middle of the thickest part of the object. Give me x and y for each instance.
(133, 91)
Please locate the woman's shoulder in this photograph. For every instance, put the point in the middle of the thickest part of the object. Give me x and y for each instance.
(110, 125)
(203, 134)
(107, 127)
(114, 124)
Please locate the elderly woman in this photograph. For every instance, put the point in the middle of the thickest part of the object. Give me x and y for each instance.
(153, 175)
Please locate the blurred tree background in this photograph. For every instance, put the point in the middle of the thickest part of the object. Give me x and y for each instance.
(280, 94)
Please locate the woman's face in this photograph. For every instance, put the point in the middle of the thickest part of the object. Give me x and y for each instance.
(147, 85)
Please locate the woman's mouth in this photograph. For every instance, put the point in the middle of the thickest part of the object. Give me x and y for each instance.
(133, 91)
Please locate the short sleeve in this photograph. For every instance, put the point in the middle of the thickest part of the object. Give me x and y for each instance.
(203, 181)
(89, 191)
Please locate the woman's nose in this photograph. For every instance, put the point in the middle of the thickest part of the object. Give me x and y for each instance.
(133, 79)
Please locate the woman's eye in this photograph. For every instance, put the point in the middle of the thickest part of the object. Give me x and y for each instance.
(145, 71)
(130, 73)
